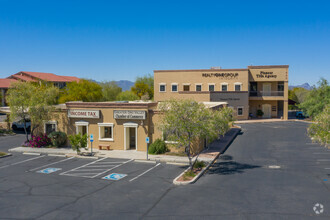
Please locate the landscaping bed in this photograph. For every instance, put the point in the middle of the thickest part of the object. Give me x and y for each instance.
(191, 175)
(4, 132)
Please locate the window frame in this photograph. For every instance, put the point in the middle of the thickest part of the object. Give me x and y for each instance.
(162, 84)
(238, 84)
(177, 87)
(106, 125)
(240, 107)
(211, 84)
(50, 122)
(186, 84)
(224, 84)
(198, 84)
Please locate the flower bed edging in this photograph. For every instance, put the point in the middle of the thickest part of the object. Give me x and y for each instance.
(176, 182)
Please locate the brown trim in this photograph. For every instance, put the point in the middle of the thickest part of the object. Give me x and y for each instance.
(200, 70)
(108, 105)
(209, 92)
(268, 66)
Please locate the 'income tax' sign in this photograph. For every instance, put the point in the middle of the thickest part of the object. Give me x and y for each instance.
(77, 113)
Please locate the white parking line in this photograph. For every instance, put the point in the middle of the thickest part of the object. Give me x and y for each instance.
(323, 159)
(327, 168)
(51, 164)
(322, 153)
(34, 158)
(113, 168)
(64, 173)
(144, 172)
(312, 143)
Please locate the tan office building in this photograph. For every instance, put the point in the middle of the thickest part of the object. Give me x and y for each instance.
(247, 90)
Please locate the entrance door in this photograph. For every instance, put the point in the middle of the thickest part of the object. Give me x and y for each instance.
(266, 108)
(132, 139)
(82, 129)
(130, 136)
(266, 89)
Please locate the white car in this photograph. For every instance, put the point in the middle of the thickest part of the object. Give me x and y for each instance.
(19, 125)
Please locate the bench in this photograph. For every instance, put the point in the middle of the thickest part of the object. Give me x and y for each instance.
(104, 146)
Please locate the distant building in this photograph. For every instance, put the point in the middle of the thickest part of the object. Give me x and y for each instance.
(24, 76)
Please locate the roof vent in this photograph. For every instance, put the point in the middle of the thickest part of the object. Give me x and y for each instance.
(216, 68)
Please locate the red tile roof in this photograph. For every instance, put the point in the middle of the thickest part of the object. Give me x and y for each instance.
(35, 76)
(22, 78)
(50, 77)
(5, 83)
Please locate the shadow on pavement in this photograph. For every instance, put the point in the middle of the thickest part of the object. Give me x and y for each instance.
(230, 167)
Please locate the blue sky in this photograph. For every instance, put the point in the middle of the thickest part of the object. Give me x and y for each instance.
(113, 40)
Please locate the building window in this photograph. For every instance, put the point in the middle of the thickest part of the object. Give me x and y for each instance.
(174, 87)
(50, 127)
(280, 86)
(105, 131)
(198, 88)
(224, 87)
(239, 111)
(186, 88)
(238, 87)
(162, 88)
(211, 88)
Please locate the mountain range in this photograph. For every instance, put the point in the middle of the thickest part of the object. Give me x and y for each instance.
(305, 86)
(125, 84)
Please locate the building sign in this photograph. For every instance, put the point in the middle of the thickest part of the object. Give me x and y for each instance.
(129, 114)
(221, 75)
(266, 75)
(77, 113)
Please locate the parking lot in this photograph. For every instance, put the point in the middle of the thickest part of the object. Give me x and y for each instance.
(42, 184)
(270, 171)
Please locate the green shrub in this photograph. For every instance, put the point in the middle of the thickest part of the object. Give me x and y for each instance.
(158, 147)
(58, 138)
(78, 141)
(199, 164)
(260, 113)
(188, 175)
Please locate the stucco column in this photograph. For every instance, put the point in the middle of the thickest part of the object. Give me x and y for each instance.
(3, 97)
(285, 110)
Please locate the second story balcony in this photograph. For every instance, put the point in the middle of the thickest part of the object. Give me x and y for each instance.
(266, 93)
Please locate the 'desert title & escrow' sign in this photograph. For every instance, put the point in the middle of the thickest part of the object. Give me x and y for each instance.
(129, 114)
(78, 113)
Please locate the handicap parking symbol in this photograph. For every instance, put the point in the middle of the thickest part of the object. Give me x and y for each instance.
(114, 176)
(49, 170)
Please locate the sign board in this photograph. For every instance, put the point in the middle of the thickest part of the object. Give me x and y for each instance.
(129, 114)
(78, 113)
(49, 170)
(114, 176)
(147, 140)
(91, 138)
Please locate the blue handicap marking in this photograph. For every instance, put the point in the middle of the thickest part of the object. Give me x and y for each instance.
(91, 138)
(114, 176)
(49, 170)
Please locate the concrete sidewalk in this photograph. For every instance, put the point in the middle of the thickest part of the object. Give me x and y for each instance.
(208, 155)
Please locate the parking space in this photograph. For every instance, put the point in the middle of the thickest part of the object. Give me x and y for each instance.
(72, 167)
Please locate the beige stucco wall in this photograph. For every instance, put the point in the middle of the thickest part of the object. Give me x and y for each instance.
(197, 77)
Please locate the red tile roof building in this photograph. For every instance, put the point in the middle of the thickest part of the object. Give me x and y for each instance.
(25, 76)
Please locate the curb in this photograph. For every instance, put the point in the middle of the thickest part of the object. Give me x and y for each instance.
(145, 161)
(7, 155)
(176, 182)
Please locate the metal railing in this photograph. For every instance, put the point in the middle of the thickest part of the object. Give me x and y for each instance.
(266, 93)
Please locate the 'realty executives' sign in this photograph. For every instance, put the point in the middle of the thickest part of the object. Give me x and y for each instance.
(129, 114)
(78, 113)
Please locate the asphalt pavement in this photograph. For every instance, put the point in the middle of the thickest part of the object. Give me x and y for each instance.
(270, 171)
